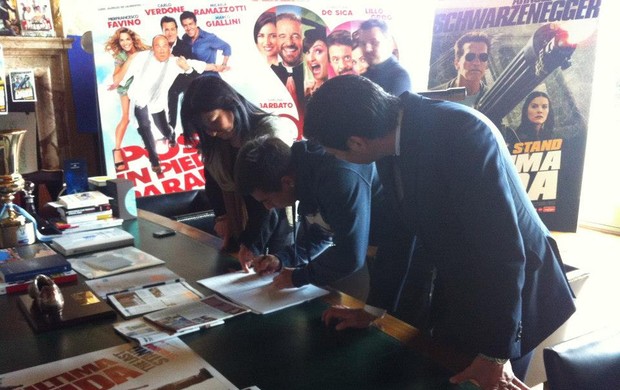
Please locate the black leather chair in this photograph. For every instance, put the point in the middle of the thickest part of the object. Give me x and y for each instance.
(587, 362)
(190, 207)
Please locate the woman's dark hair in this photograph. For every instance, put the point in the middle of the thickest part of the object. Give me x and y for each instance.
(528, 128)
(263, 19)
(311, 36)
(208, 93)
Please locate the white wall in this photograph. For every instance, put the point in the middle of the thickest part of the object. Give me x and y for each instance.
(600, 195)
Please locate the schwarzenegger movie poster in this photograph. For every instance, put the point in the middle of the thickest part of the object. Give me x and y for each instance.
(147, 146)
(528, 65)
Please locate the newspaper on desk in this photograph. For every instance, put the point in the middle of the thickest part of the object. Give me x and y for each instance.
(144, 332)
(130, 281)
(168, 364)
(179, 320)
(146, 300)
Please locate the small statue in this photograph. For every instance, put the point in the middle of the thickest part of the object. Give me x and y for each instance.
(48, 298)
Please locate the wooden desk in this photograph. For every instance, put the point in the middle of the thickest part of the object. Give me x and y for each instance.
(289, 349)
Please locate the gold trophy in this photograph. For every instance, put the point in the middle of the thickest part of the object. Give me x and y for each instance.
(15, 229)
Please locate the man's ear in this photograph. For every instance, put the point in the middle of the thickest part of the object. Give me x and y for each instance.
(287, 182)
(356, 143)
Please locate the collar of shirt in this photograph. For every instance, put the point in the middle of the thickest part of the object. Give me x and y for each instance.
(397, 137)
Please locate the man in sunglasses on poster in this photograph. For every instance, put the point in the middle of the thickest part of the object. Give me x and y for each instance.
(471, 60)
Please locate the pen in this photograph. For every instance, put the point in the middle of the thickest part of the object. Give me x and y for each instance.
(163, 283)
(259, 260)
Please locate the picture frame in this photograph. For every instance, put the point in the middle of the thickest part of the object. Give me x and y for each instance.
(35, 19)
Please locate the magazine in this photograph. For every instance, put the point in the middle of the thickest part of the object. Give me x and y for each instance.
(202, 313)
(169, 364)
(113, 261)
(257, 293)
(146, 300)
(131, 281)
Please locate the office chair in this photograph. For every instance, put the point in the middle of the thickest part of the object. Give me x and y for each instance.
(587, 362)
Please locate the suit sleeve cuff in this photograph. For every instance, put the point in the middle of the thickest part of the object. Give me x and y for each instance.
(375, 311)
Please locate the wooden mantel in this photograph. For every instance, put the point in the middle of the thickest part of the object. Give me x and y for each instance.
(48, 58)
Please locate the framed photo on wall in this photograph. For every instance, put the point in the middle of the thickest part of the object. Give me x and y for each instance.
(8, 14)
(22, 85)
(35, 19)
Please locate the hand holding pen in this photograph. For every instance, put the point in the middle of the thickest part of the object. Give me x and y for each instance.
(266, 264)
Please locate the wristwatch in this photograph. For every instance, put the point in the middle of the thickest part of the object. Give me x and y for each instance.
(493, 359)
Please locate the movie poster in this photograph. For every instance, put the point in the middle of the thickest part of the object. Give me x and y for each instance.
(168, 364)
(245, 50)
(533, 79)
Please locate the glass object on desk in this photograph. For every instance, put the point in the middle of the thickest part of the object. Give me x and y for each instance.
(15, 228)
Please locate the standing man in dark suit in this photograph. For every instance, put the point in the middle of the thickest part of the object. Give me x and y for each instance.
(179, 48)
(499, 286)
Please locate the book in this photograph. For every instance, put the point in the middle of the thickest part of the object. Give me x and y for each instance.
(81, 200)
(169, 364)
(257, 293)
(144, 332)
(89, 225)
(130, 281)
(22, 285)
(27, 261)
(92, 241)
(146, 300)
(112, 262)
(64, 212)
(195, 315)
(89, 217)
(81, 305)
(76, 175)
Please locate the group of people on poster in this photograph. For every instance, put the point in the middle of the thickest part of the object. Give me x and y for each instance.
(299, 48)
(155, 76)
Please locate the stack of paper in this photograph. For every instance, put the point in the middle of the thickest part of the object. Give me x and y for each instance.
(257, 292)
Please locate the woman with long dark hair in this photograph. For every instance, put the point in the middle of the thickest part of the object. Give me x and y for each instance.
(537, 120)
(219, 120)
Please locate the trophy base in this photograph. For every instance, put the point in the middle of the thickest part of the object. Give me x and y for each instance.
(16, 235)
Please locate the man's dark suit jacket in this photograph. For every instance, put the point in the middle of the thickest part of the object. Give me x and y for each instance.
(500, 287)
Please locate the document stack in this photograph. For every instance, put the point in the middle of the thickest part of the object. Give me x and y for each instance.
(85, 211)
